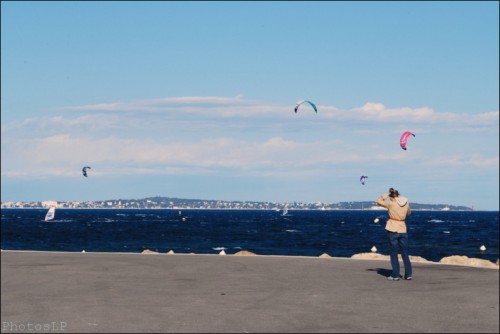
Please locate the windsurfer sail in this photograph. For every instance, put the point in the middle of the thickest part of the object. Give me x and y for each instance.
(50, 214)
(285, 211)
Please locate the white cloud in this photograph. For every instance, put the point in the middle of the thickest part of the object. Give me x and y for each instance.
(464, 160)
(215, 107)
(64, 154)
(25, 156)
(377, 112)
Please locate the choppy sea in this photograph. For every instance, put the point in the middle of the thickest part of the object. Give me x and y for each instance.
(432, 234)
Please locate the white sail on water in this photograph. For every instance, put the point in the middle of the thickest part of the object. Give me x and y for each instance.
(50, 214)
(285, 211)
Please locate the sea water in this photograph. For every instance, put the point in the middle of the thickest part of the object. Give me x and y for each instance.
(341, 233)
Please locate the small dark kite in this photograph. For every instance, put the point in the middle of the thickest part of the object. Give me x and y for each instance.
(84, 170)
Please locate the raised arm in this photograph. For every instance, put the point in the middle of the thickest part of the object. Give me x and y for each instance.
(381, 200)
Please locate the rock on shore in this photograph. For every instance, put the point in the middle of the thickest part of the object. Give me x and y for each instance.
(466, 261)
(245, 253)
(147, 251)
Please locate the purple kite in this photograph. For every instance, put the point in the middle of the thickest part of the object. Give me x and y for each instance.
(362, 179)
(404, 139)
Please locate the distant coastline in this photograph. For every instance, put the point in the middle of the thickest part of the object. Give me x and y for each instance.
(174, 203)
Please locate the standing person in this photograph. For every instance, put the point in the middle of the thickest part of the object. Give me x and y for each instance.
(398, 208)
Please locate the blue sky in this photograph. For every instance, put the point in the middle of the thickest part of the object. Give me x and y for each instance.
(196, 99)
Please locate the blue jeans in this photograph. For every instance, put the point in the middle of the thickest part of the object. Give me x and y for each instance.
(398, 242)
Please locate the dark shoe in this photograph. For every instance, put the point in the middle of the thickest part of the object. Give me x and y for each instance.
(408, 278)
(390, 278)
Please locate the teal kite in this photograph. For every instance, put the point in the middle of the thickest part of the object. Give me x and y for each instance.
(305, 101)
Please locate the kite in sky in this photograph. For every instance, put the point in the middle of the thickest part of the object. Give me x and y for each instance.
(404, 139)
(84, 170)
(362, 179)
(304, 101)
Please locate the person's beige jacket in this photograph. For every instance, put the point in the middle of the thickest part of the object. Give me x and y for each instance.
(398, 211)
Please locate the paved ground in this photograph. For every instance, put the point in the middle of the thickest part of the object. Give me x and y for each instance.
(104, 292)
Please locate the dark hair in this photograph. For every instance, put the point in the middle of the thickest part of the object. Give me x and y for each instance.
(393, 192)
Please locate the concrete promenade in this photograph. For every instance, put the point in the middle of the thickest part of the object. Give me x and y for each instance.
(142, 293)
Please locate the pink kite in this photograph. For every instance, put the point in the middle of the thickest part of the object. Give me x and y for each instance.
(404, 139)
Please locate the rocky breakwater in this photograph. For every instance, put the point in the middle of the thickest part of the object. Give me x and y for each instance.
(454, 259)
